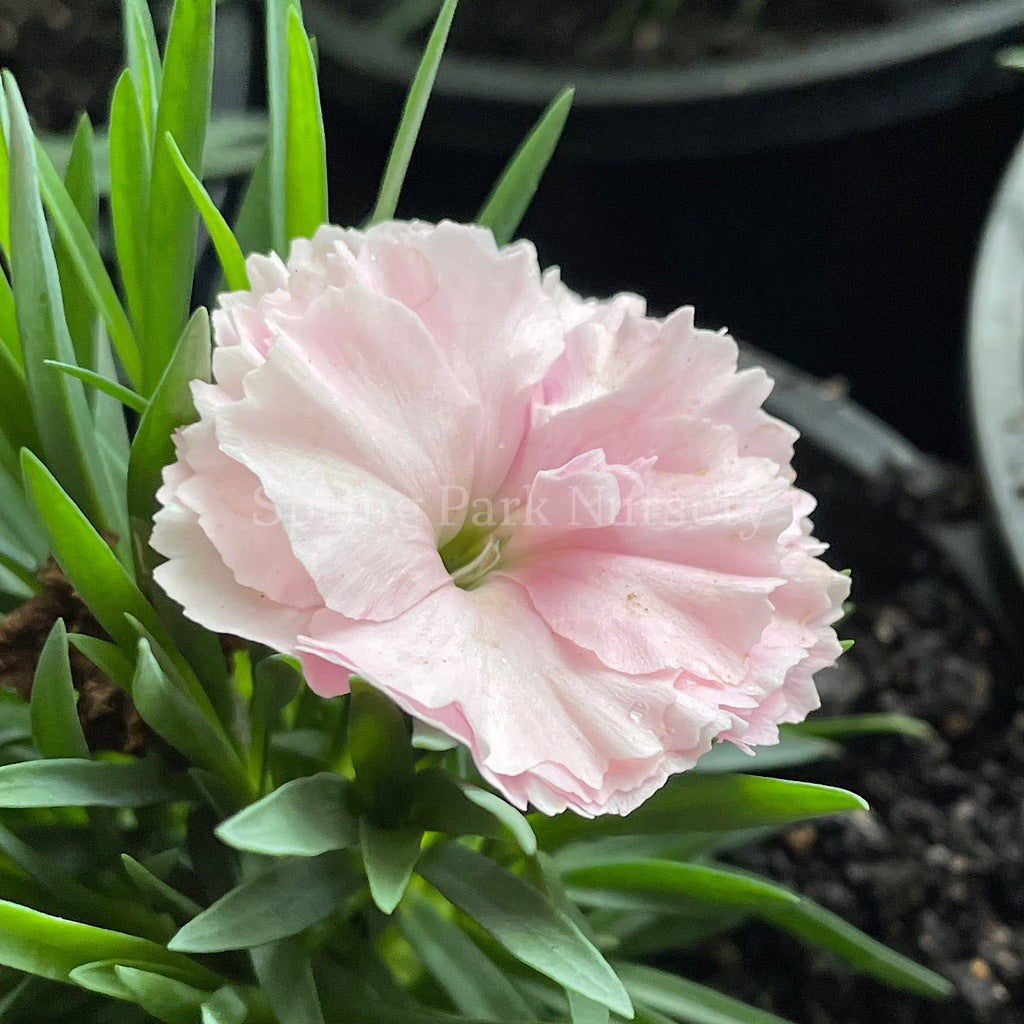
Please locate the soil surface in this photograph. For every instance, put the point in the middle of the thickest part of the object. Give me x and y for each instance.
(936, 868)
(65, 55)
(609, 33)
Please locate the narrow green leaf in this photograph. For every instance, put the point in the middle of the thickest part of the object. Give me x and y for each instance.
(791, 750)
(143, 58)
(235, 142)
(225, 1006)
(687, 1001)
(56, 730)
(389, 856)
(83, 254)
(475, 985)
(286, 899)
(285, 974)
(306, 150)
(516, 823)
(5, 173)
(108, 415)
(117, 391)
(17, 516)
(586, 1011)
(52, 947)
(663, 884)
(439, 804)
(822, 929)
(157, 893)
(511, 197)
(60, 409)
(77, 783)
(9, 338)
(303, 818)
(253, 227)
(184, 110)
(106, 657)
(167, 999)
(844, 726)
(130, 159)
(169, 408)
(276, 19)
(16, 417)
(89, 564)
(710, 803)
(174, 713)
(275, 684)
(524, 921)
(412, 117)
(382, 754)
(80, 184)
(230, 255)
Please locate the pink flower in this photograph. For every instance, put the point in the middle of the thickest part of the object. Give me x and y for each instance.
(561, 532)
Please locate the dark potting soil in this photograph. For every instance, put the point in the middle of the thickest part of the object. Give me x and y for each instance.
(936, 867)
(64, 54)
(609, 33)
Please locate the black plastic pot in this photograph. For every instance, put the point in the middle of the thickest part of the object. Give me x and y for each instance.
(995, 355)
(867, 80)
(825, 204)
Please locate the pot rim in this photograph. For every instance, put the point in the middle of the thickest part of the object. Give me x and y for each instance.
(995, 356)
(371, 51)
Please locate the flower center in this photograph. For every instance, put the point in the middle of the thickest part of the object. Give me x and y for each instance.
(470, 555)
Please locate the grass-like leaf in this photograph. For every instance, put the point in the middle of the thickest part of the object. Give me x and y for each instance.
(511, 197)
(9, 338)
(684, 1000)
(59, 406)
(183, 112)
(107, 657)
(306, 150)
(820, 928)
(88, 562)
(52, 948)
(524, 921)
(285, 973)
(16, 420)
(124, 395)
(143, 58)
(130, 163)
(302, 818)
(412, 117)
(170, 407)
(72, 782)
(82, 253)
(378, 743)
(389, 856)
(709, 803)
(476, 986)
(56, 730)
(80, 184)
(883, 723)
(791, 750)
(228, 252)
(170, 707)
(660, 884)
(285, 900)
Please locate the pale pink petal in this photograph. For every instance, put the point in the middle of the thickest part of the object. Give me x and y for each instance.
(483, 667)
(202, 584)
(640, 615)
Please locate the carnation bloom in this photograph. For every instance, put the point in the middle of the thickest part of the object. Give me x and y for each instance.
(559, 531)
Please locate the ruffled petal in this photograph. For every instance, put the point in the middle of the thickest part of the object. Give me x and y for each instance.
(546, 721)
